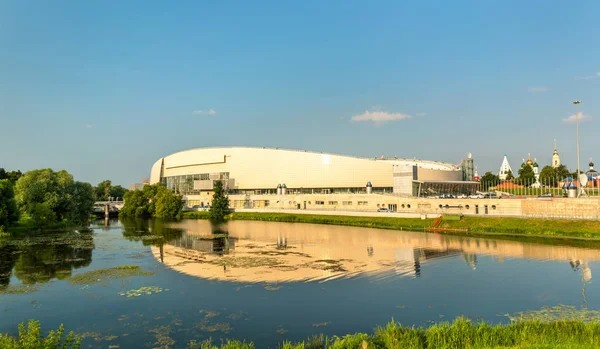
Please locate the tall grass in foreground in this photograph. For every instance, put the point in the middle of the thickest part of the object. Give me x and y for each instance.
(460, 334)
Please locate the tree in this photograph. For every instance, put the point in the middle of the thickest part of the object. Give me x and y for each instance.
(103, 190)
(83, 203)
(526, 176)
(509, 175)
(168, 204)
(54, 197)
(9, 213)
(12, 176)
(153, 201)
(488, 181)
(118, 192)
(562, 172)
(549, 176)
(136, 205)
(220, 203)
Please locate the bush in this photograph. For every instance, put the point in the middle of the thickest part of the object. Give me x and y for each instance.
(30, 337)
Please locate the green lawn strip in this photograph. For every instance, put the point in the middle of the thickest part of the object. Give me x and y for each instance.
(533, 227)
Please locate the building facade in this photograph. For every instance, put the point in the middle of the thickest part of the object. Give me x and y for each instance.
(264, 171)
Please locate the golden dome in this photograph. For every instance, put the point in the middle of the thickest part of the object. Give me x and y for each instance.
(529, 162)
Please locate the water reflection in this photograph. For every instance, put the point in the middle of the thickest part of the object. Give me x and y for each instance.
(281, 252)
(39, 259)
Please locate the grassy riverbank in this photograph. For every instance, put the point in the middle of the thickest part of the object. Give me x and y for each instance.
(530, 227)
(460, 334)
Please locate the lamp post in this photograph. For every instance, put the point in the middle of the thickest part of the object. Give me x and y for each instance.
(577, 102)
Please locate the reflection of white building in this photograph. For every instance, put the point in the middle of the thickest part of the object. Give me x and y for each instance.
(582, 265)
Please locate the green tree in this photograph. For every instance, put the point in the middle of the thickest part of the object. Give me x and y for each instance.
(549, 176)
(220, 203)
(9, 213)
(143, 203)
(167, 204)
(526, 176)
(117, 192)
(54, 197)
(42, 215)
(13, 176)
(103, 190)
(136, 205)
(488, 180)
(562, 172)
(3, 174)
(82, 204)
(509, 175)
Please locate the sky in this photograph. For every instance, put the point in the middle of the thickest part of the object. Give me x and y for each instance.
(103, 89)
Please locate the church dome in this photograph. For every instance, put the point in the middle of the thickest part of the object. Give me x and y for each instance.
(591, 164)
(535, 164)
(529, 162)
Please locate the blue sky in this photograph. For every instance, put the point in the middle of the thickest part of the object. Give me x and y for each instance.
(105, 88)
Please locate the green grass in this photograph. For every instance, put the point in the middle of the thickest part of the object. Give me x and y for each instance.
(526, 227)
(461, 334)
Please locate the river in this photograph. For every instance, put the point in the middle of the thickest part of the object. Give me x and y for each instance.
(267, 282)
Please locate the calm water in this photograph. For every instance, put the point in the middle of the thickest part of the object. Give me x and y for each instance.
(267, 282)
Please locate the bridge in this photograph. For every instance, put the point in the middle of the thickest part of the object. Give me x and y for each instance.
(107, 208)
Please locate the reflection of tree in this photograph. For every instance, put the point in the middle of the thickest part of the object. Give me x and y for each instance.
(151, 232)
(8, 257)
(41, 259)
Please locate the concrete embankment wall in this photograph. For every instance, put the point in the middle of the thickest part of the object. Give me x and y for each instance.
(583, 208)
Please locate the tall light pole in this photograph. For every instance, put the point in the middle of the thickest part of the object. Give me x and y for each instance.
(577, 102)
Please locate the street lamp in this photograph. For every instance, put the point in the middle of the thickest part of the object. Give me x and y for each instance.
(576, 102)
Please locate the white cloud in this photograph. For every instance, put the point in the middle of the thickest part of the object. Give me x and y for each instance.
(379, 117)
(204, 112)
(589, 77)
(572, 118)
(538, 89)
(421, 114)
(89, 126)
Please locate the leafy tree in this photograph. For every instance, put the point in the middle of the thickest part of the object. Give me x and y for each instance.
(526, 176)
(103, 190)
(54, 197)
(12, 176)
(136, 205)
(509, 175)
(152, 201)
(42, 215)
(118, 192)
(488, 180)
(220, 203)
(549, 176)
(83, 202)
(167, 204)
(9, 213)
(562, 172)
(30, 337)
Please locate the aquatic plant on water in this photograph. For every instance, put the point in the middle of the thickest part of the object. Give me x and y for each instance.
(146, 290)
(103, 275)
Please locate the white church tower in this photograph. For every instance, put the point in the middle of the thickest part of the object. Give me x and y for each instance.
(504, 169)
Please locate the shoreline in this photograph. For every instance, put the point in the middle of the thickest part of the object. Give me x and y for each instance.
(498, 227)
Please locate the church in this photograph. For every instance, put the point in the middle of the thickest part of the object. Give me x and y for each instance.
(505, 166)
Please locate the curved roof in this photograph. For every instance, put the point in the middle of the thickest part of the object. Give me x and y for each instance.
(432, 162)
